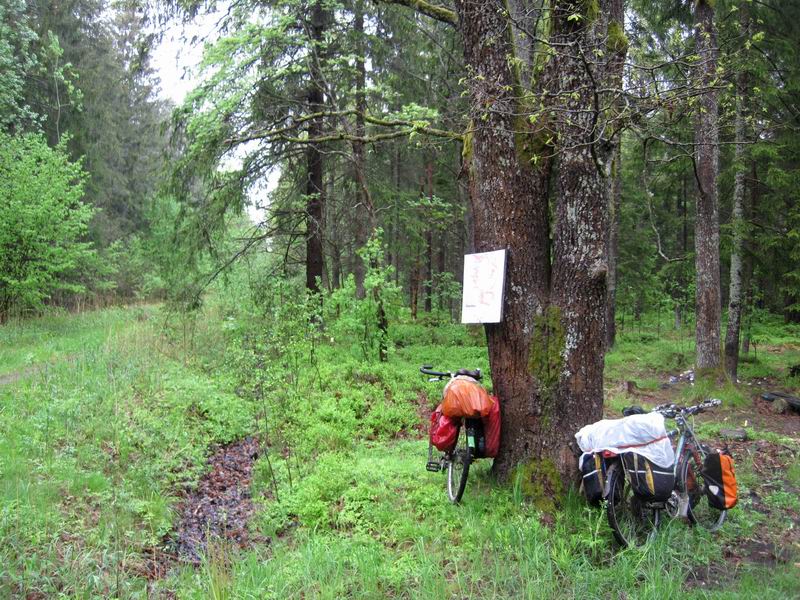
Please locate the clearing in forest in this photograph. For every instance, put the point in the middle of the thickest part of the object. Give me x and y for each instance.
(134, 464)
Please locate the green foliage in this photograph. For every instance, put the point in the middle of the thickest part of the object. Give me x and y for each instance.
(43, 225)
(359, 320)
(17, 60)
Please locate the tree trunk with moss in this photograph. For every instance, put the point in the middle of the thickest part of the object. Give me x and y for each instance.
(706, 159)
(546, 355)
(509, 211)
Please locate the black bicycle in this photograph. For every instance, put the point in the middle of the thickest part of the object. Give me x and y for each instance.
(470, 442)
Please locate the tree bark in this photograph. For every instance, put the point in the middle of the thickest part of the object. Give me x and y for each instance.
(365, 211)
(546, 358)
(747, 314)
(706, 161)
(738, 223)
(315, 191)
(509, 211)
(615, 202)
(580, 237)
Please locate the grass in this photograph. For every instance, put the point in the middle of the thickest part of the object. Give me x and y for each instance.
(381, 528)
(93, 451)
(59, 335)
(97, 447)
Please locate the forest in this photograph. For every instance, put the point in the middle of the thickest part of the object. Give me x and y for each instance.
(214, 305)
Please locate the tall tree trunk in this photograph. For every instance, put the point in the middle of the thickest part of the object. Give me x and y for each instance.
(619, 48)
(509, 211)
(395, 212)
(546, 355)
(426, 284)
(737, 221)
(747, 309)
(580, 266)
(706, 160)
(365, 211)
(680, 294)
(315, 191)
(615, 202)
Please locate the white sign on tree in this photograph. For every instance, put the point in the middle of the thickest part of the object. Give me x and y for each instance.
(484, 281)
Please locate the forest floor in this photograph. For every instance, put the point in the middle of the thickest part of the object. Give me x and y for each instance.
(133, 465)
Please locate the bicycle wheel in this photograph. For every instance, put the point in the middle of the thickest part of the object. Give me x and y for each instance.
(458, 466)
(692, 482)
(631, 520)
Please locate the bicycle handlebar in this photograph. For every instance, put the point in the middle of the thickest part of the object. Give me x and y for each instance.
(428, 370)
(670, 411)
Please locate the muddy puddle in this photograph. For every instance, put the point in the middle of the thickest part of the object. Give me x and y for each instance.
(221, 506)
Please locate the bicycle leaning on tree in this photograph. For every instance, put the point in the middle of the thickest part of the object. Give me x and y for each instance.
(470, 441)
(633, 519)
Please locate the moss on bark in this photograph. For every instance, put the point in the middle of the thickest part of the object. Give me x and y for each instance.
(616, 40)
(540, 482)
(545, 357)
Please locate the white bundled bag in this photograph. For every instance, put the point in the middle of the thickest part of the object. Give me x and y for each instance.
(644, 434)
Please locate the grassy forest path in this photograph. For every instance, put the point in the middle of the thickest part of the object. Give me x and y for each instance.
(28, 347)
(120, 438)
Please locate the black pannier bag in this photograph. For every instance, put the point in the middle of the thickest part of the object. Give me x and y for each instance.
(648, 481)
(720, 478)
(593, 474)
(475, 427)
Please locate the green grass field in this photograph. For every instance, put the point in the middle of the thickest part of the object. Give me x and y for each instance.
(106, 418)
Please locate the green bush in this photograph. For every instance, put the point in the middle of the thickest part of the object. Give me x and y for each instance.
(43, 225)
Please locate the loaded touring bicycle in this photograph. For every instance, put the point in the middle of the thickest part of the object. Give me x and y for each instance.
(464, 427)
(631, 464)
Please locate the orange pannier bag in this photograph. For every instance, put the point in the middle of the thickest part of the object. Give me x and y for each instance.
(721, 488)
(464, 397)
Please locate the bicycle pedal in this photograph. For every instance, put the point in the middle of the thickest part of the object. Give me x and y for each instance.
(433, 466)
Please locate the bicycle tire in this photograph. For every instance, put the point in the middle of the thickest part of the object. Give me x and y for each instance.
(692, 482)
(458, 467)
(631, 522)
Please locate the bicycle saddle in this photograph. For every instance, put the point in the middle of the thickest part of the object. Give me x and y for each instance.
(633, 410)
(475, 374)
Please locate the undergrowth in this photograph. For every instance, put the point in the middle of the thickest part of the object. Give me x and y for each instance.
(98, 446)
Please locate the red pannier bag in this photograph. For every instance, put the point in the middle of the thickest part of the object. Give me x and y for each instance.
(465, 397)
(491, 429)
(444, 431)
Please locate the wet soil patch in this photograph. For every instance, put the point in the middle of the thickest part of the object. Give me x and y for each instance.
(221, 506)
(424, 412)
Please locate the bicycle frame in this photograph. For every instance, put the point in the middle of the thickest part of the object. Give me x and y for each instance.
(686, 441)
